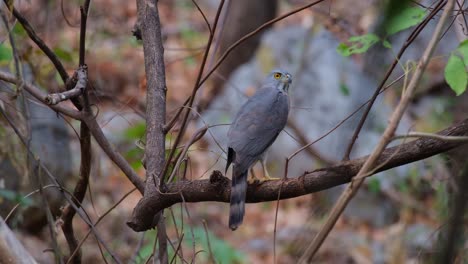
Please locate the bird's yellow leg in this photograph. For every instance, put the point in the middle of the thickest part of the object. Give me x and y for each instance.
(266, 175)
(252, 179)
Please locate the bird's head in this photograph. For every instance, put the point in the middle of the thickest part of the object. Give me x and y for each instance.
(280, 79)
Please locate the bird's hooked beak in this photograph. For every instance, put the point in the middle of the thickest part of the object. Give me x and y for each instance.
(286, 79)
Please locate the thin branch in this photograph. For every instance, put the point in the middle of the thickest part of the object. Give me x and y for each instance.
(79, 192)
(232, 47)
(194, 91)
(251, 34)
(430, 135)
(90, 120)
(68, 197)
(81, 76)
(40, 95)
(309, 149)
(99, 220)
(162, 240)
(203, 15)
(407, 43)
(44, 48)
(195, 137)
(114, 155)
(218, 187)
(372, 161)
(39, 42)
(85, 145)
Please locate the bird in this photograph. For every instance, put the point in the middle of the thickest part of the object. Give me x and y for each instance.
(256, 126)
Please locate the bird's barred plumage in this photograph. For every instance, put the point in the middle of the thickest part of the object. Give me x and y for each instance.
(255, 127)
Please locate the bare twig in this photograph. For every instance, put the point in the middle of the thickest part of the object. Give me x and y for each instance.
(203, 15)
(162, 239)
(431, 135)
(370, 163)
(251, 34)
(40, 95)
(49, 216)
(290, 157)
(194, 91)
(309, 149)
(54, 180)
(407, 43)
(98, 221)
(47, 51)
(217, 188)
(85, 145)
(195, 137)
(79, 192)
(39, 42)
(210, 251)
(81, 82)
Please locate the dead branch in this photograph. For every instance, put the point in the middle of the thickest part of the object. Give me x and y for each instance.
(371, 164)
(11, 250)
(405, 46)
(81, 82)
(218, 187)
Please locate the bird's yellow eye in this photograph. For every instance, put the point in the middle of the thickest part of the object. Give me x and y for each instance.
(277, 75)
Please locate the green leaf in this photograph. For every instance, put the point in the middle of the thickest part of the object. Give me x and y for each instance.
(15, 197)
(405, 19)
(455, 74)
(222, 251)
(463, 50)
(344, 89)
(63, 54)
(357, 44)
(19, 30)
(5, 53)
(374, 185)
(136, 132)
(387, 44)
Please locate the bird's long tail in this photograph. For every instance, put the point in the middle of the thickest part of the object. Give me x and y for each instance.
(238, 192)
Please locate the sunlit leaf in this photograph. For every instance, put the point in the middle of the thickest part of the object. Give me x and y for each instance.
(136, 132)
(357, 44)
(455, 74)
(463, 50)
(405, 19)
(5, 53)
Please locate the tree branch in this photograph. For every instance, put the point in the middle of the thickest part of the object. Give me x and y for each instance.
(37, 93)
(395, 62)
(81, 76)
(371, 164)
(85, 144)
(218, 187)
(155, 149)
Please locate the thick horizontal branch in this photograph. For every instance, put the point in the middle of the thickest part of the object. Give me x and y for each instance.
(218, 187)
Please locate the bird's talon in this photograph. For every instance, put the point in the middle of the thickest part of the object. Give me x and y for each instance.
(252, 180)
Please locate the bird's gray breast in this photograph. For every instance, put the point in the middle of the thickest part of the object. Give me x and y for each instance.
(257, 124)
